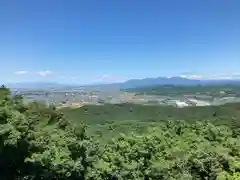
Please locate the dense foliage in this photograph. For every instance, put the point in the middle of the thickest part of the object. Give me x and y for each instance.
(38, 142)
(173, 151)
(109, 120)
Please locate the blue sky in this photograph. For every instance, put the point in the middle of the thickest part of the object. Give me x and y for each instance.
(93, 41)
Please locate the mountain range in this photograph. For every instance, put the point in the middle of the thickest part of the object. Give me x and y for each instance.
(133, 83)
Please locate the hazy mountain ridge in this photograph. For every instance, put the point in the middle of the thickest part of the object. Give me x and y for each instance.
(146, 82)
(36, 85)
(132, 83)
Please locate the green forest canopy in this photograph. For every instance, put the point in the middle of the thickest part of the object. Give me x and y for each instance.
(111, 119)
(38, 142)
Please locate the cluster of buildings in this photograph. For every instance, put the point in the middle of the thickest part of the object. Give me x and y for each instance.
(77, 98)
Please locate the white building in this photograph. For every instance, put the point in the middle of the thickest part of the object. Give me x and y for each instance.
(181, 104)
(199, 102)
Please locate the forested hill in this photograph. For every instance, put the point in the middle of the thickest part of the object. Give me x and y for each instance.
(111, 119)
(92, 114)
(171, 90)
(38, 142)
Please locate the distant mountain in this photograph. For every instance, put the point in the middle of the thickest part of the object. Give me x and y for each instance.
(138, 83)
(159, 81)
(133, 83)
(36, 85)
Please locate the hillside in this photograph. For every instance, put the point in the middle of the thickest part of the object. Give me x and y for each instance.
(110, 120)
(123, 141)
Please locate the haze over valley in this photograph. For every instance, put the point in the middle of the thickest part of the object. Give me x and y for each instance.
(175, 91)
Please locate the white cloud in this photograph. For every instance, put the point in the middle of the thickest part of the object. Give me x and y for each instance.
(67, 79)
(195, 76)
(222, 76)
(20, 72)
(192, 76)
(213, 76)
(182, 76)
(44, 73)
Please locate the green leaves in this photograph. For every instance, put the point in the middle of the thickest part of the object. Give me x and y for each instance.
(37, 142)
(200, 151)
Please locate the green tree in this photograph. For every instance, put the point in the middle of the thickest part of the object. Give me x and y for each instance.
(201, 151)
(37, 142)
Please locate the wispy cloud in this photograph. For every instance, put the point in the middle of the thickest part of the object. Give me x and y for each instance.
(44, 73)
(229, 76)
(69, 79)
(192, 76)
(110, 79)
(20, 72)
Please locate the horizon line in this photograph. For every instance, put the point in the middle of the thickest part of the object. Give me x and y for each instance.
(191, 77)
